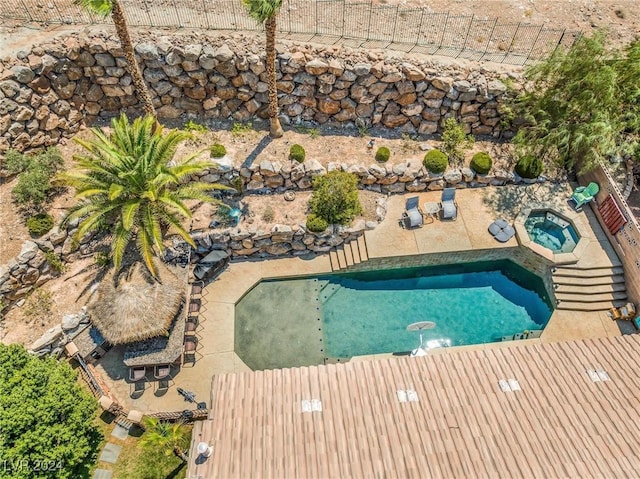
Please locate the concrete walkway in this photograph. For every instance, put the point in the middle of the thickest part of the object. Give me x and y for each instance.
(477, 208)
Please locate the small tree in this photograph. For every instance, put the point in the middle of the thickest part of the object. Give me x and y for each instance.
(171, 438)
(581, 105)
(455, 140)
(335, 197)
(47, 418)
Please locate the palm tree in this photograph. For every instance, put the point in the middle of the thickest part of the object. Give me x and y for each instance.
(113, 8)
(168, 437)
(265, 12)
(128, 179)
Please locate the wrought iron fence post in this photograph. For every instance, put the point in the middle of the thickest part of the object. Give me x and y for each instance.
(486, 48)
(344, 16)
(464, 45)
(27, 11)
(369, 23)
(417, 42)
(395, 24)
(175, 7)
(316, 19)
(146, 7)
(533, 45)
(206, 15)
(444, 31)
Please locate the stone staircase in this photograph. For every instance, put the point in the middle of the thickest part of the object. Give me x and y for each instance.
(348, 254)
(589, 288)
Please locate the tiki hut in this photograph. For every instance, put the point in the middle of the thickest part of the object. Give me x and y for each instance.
(130, 306)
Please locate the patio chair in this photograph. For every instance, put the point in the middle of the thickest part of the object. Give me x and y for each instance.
(194, 305)
(189, 354)
(162, 373)
(412, 217)
(137, 373)
(191, 325)
(584, 194)
(196, 289)
(448, 205)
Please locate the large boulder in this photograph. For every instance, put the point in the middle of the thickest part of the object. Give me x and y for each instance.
(28, 251)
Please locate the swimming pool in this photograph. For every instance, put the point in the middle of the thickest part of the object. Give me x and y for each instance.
(550, 230)
(305, 321)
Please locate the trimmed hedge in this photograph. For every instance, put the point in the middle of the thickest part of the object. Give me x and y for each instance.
(316, 224)
(39, 224)
(218, 151)
(481, 163)
(435, 161)
(529, 167)
(383, 154)
(297, 153)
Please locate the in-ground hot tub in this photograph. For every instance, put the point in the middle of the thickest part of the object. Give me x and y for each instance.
(552, 231)
(559, 237)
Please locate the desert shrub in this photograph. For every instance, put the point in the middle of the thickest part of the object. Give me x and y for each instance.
(481, 163)
(529, 167)
(239, 129)
(268, 214)
(38, 305)
(39, 224)
(383, 154)
(217, 150)
(102, 259)
(435, 161)
(54, 261)
(335, 197)
(316, 224)
(455, 140)
(194, 126)
(35, 173)
(297, 153)
(237, 184)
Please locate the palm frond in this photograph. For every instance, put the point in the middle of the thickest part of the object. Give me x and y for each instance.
(100, 7)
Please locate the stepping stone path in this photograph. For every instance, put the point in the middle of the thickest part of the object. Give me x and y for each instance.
(120, 432)
(102, 474)
(110, 453)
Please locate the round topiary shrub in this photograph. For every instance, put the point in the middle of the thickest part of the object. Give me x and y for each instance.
(297, 153)
(39, 224)
(529, 167)
(481, 163)
(316, 224)
(383, 154)
(218, 151)
(435, 161)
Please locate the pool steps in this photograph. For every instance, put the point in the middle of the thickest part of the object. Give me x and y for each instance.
(589, 289)
(348, 254)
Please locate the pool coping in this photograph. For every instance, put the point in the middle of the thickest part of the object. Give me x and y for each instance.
(557, 258)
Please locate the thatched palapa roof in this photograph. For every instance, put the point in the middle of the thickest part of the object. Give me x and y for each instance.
(131, 306)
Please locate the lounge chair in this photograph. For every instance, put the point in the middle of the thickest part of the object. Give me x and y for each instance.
(584, 194)
(448, 205)
(412, 217)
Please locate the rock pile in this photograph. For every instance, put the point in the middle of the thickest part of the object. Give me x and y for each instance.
(51, 90)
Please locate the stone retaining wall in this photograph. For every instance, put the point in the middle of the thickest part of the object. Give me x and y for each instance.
(50, 91)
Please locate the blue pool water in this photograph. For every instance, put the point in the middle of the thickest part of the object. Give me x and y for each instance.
(551, 231)
(303, 321)
(470, 304)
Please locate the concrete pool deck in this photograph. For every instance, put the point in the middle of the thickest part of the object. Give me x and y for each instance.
(477, 208)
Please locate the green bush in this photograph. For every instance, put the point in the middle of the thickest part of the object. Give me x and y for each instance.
(383, 154)
(54, 261)
(218, 150)
(195, 126)
(481, 163)
(335, 197)
(435, 161)
(297, 153)
(316, 224)
(455, 140)
(102, 259)
(36, 171)
(268, 214)
(529, 167)
(39, 224)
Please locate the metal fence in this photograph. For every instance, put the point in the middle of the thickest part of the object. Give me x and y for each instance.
(348, 22)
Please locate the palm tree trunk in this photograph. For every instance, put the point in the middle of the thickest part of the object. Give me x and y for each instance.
(179, 453)
(270, 29)
(125, 41)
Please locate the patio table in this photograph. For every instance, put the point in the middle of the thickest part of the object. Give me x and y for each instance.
(431, 208)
